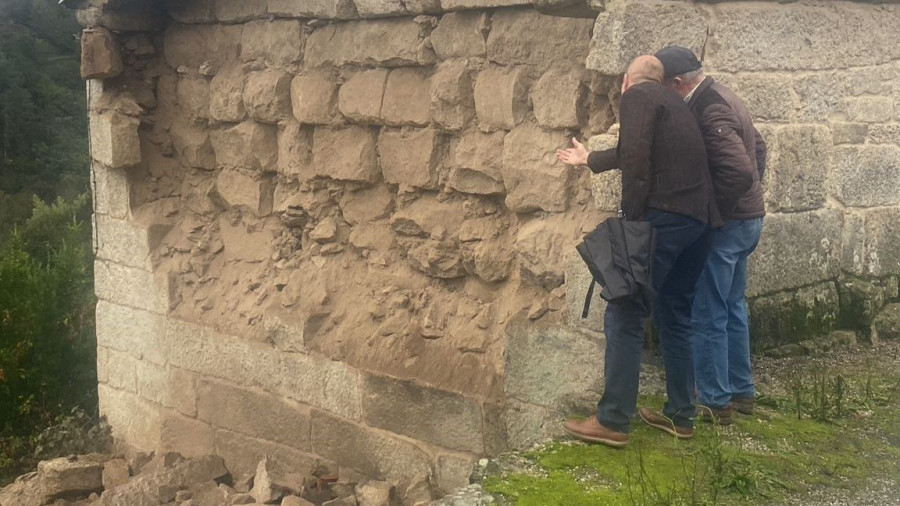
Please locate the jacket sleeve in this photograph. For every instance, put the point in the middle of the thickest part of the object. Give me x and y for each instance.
(602, 161)
(638, 118)
(761, 151)
(729, 162)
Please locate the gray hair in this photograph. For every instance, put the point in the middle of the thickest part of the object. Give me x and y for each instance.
(689, 77)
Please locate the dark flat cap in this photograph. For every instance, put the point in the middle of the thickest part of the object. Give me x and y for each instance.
(677, 60)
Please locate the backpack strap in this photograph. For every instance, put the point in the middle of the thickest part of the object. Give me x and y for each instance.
(587, 299)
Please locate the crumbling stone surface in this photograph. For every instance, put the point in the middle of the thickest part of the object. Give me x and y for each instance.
(305, 208)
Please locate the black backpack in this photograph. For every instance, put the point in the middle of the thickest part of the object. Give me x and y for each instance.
(619, 254)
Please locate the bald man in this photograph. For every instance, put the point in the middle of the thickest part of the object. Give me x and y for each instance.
(665, 181)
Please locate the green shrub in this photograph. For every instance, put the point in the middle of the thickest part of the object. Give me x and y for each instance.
(47, 339)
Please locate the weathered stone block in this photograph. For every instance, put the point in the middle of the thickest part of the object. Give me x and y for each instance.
(67, 477)
(866, 176)
(201, 350)
(277, 42)
(869, 109)
(452, 470)
(122, 242)
(248, 145)
(367, 205)
(193, 96)
(192, 45)
(545, 365)
(238, 11)
(314, 98)
(327, 9)
(138, 333)
(450, 5)
(410, 157)
(427, 217)
(447, 419)
(380, 8)
(797, 168)
(626, 31)
(459, 34)
(383, 42)
(111, 195)
(861, 300)
(295, 150)
(119, 371)
(501, 97)
(793, 316)
(853, 241)
(360, 98)
(887, 324)
(406, 98)
(478, 164)
(804, 37)
(372, 452)
(191, 12)
(882, 251)
(849, 133)
(267, 96)
(354, 161)
(114, 139)
(242, 188)
(558, 98)
(253, 413)
(133, 420)
(323, 383)
(534, 179)
(192, 145)
(452, 98)
(187, 436)
(100, 57)
(795, 250)
(525, 36)
(540, 247)
(606, 187)
(884, 134)
(226, 95)
(181, 392)
(243, 454)
(128, 286)
(766, 97)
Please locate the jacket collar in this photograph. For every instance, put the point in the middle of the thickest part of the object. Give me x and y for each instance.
(706, 83)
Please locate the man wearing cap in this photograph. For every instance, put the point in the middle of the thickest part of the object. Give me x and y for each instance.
(737, 162)
(665, 181)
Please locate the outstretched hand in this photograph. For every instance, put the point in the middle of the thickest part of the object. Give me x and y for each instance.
(576, 155)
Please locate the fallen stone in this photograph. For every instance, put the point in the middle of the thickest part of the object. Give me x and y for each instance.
(115, 473)
(375, 493)
(100, 57)
(24, 491)
(325, 231)
(67, 477)
(293, 500)
(273, 481)
(208, 494)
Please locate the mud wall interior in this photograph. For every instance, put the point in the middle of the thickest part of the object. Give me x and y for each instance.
(335, 231)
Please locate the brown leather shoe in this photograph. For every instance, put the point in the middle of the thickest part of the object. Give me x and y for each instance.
(663, 423)
(743, 405)
(718, 416)
(593, 431)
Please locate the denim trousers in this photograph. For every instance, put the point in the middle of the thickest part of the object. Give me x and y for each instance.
(720, 320)
(678, 259)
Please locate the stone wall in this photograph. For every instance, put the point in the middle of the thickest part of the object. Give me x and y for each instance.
(334, 230)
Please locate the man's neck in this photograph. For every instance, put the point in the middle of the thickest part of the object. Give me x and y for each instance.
(687, 98)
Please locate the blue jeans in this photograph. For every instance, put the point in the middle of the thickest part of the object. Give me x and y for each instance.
(721, 330)
(681, 244)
